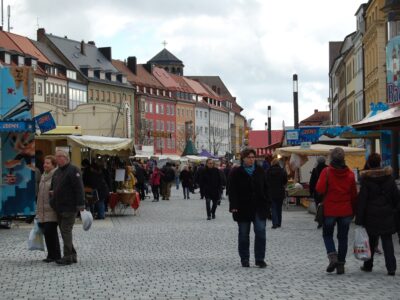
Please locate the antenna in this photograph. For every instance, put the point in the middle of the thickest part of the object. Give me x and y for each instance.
(9, 16)
(2, 14)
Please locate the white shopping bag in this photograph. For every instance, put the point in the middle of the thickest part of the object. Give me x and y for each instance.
(36, 239)
(362, 250)
(87, 219)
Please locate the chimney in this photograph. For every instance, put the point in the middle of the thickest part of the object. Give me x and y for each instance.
(106, 51)
(40, 34)
(83, 52)
(315, 111)
(132, 64)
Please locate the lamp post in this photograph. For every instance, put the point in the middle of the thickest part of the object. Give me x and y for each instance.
(295, 102)
(269, 126)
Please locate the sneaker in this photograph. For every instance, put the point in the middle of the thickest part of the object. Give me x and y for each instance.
(245, 264)
(261, 264)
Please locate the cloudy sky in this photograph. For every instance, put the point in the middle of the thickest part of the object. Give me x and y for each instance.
(255, 46)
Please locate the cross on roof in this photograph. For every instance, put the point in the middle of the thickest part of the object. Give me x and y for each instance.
(164, 43)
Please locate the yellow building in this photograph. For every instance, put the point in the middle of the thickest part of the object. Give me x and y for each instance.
(350, 85)
(185, 113)
(240, 124)
(375, 54)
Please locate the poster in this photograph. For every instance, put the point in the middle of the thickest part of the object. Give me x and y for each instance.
(17, 152)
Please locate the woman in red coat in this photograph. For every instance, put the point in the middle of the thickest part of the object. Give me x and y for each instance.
(337, 183)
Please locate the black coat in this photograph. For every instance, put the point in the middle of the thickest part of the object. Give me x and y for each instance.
(276, 180)
(378, 202)
(211, 183)
(248, 194)
(186, 178)
(315, 176)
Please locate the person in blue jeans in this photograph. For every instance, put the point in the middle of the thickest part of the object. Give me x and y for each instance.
(249, 203)
(337, 184)
(277, 180)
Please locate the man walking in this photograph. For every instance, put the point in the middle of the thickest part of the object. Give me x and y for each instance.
(67, 197)
(249, 203)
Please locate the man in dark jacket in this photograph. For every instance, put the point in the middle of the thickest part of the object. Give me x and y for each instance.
(276, 179)
(67, 199)
(211, 184)
(167, 177)
(377, 210)
(249, 203)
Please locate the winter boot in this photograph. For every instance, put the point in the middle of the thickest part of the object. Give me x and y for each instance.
(332, 262)
(340, 268)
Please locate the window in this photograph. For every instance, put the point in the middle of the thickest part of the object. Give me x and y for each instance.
(162, 109)
(72, 74)
(172, 127)
(39, 88)
(205, 114)
(146, 107)
(21, 61)
(7, 58)
(90, 73)
(157, 109)
(151, 107)
(167, 106)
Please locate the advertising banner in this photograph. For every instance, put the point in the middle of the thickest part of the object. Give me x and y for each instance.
(393, 70)
(17, 151)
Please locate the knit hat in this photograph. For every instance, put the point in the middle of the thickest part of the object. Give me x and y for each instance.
(321, 160)
(337, 158)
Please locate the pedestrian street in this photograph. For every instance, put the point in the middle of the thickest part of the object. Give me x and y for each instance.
(170, 251)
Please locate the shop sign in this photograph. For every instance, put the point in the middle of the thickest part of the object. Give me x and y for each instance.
(45, 122)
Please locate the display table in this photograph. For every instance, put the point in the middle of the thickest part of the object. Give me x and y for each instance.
(298, 194)
(125, 200)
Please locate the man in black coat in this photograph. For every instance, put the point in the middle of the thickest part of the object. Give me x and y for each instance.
(249, 203)
(67, 198)
(211, 184)
(277, 180)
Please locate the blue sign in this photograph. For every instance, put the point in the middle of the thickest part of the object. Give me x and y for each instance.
(45, 122)
(17, 126)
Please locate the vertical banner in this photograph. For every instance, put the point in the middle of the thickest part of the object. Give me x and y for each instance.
(393, 70)
(17, 144)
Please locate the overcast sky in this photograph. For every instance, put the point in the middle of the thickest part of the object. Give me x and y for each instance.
(255, 46)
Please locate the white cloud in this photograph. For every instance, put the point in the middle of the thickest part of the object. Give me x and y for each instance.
(253, 45)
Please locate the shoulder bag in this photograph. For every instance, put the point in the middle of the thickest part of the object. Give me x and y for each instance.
(319, 217)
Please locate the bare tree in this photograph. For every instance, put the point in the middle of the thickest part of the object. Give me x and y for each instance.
(217, 137)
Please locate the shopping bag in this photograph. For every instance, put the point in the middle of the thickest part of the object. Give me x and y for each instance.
(319, 216)
(36, 238)
(362, 250)
(87, 219)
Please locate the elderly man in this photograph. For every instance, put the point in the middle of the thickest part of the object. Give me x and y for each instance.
(67, 199)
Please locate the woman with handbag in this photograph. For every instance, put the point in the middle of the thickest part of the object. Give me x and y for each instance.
(337, 184)
(46, 216)
(377, 210)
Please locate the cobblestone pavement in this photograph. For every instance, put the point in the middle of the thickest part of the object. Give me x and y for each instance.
(170, 251)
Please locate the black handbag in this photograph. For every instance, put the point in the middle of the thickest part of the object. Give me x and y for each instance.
(319, 217)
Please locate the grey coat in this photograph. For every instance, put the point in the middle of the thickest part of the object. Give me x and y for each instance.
(44, 212)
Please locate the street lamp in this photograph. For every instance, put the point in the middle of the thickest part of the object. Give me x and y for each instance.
(295, 102)
(269, 126)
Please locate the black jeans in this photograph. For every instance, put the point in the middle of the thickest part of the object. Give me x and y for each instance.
(211, 210)
(66, 221)
(388, 251)
(51, 238)
(156, 191)
(259, 241)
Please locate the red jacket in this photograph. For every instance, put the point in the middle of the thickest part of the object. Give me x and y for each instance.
(342, 192)
(155, 177)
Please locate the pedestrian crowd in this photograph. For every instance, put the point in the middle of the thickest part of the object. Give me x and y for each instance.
(255, 192)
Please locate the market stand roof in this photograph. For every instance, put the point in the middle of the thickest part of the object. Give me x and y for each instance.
(316, 149)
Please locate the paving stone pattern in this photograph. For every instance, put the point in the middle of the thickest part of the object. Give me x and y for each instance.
(170, 251)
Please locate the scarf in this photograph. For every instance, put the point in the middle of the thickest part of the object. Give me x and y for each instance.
(250, 170)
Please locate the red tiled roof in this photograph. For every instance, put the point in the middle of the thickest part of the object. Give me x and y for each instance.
(28, 47)
(143, 77)
(318, 118)
(184, 86)
(259, 138)
(166, 79)
(7, 43)
(197, 87)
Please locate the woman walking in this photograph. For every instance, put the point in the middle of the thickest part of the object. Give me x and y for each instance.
(276, 179)
(249, 203)
(377, 210)
(338, 184)
(155, 180)
(211, 185)
(47, 217)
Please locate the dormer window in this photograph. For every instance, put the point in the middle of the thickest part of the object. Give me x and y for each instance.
(144, 90)
(7, 58)
(34, 64)
(151, 91)
(163, 93)
(21, 61)
(137, 89)
(90, 73)
(113, 77)
(71, 74)
(102, 75)
(124, 80)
